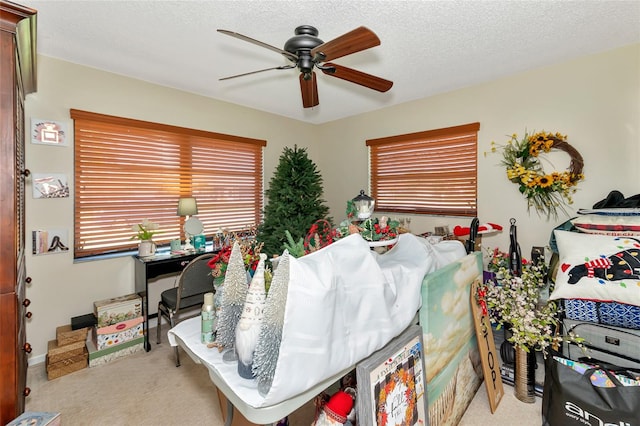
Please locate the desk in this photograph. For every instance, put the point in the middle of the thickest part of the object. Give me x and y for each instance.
(147, 268)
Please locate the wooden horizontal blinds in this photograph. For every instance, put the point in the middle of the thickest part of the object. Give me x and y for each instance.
(129, 170)
(431, 172)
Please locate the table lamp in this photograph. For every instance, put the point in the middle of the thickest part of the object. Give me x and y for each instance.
(187, 207)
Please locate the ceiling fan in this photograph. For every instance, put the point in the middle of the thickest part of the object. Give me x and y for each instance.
(306, 51)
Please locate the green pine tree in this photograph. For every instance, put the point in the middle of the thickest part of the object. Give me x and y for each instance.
(294, 201)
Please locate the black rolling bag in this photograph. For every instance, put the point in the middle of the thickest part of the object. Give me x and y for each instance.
(605, 343)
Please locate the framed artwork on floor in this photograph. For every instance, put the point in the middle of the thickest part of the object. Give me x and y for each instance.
(392, 384)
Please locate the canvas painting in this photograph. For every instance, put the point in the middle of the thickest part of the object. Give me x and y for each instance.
(50, 241)
(48, 132)
(453, 366)
(50, 185)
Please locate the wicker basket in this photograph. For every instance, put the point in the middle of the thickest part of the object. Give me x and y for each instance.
(67, 365)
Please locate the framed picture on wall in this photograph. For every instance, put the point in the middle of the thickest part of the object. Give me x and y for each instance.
(392, 383)
(50, 185)
(50, 241)
(48, 132)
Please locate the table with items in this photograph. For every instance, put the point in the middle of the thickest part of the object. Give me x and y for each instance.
(340, 305)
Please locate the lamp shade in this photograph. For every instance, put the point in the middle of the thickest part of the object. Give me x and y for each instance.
(187, 206)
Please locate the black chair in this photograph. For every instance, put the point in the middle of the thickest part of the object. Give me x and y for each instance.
(195, 280)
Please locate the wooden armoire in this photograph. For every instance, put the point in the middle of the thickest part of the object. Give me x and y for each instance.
(17, 79)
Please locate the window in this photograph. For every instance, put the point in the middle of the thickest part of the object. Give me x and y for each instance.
(129, 170)
(431, 172)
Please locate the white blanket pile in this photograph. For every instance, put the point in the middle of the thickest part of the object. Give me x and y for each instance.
(344, 302)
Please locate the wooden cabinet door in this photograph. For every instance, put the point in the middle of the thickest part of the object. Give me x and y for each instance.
(17, 78)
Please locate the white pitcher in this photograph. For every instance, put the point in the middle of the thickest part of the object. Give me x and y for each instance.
(146, 248)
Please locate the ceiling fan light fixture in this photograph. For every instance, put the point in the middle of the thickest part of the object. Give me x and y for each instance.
(305, 39)
(306, 51)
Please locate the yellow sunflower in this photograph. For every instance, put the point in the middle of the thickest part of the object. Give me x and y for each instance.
(545, 181)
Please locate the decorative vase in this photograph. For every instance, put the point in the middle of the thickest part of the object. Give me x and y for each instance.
(146, 248)
(525, 374)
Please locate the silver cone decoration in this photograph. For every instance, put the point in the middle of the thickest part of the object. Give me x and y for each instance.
(265, 357)
(249, 325)
(233, 297)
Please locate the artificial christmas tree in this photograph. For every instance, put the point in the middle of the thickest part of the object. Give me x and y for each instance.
(294, 201)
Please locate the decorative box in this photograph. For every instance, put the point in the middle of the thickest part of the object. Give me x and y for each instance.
(117, 309)
(65, 335)
(67, 365)
(104, 356)
(57, 353)
(116, 334)
(36, 418)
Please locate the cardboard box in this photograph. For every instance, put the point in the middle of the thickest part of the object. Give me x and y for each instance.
(36, 418)
(57, 353)
(66, 335)
(117, 334)
(117, 309)
(104, 356)
(67, 365)
(478, 242)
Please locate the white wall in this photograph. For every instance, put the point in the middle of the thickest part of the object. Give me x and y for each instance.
(61, 288)
(594, 100)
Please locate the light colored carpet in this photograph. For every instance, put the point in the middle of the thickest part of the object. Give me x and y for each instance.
(147, 389)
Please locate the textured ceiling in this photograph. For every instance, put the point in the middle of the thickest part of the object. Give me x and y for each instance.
(428, 47)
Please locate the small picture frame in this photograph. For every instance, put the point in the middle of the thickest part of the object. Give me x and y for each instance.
(392, 383)
(50, 185)
(50, 241)
(48, 132)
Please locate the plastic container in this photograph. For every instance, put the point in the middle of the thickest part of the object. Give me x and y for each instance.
(208, 316)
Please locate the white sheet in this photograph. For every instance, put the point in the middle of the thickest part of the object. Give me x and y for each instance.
(344, 303)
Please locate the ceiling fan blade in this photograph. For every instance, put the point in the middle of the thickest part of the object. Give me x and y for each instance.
(282, 67)
(309, 89)
(284, 53)
(354, 41)
(357, 77)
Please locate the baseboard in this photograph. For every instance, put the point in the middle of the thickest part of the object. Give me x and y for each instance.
(37, 359)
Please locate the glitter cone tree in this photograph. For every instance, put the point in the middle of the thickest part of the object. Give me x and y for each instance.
(233, 297)
(267, 350)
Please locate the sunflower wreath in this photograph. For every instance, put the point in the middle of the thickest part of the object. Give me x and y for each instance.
(545, 192)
